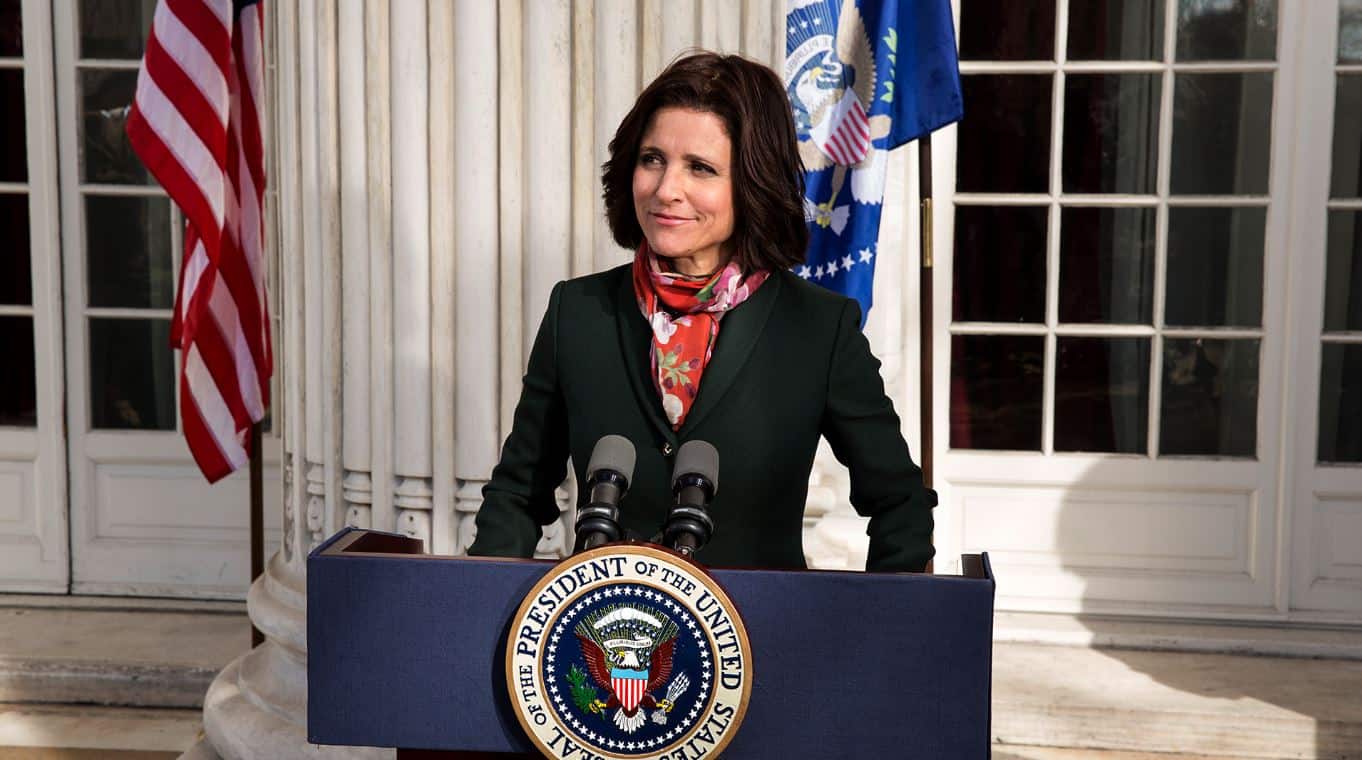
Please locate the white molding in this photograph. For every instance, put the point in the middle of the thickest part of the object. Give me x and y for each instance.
(411, 213)
(1212, 636)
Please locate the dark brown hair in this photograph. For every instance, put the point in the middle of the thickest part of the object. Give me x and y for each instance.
(769, 231)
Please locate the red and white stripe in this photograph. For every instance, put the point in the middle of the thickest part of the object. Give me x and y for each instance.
(844, 136)
(629, 690)
(197, 123)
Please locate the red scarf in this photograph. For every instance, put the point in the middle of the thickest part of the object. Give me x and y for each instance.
(684, 314)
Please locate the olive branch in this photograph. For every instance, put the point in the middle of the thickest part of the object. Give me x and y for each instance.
(583, 694)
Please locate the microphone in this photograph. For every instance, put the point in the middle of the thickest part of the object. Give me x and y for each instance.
(695, 481)
(607, 479)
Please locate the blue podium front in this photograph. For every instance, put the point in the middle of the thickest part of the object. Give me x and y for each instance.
(407, 650)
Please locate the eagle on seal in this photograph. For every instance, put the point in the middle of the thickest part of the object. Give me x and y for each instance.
(628, 652)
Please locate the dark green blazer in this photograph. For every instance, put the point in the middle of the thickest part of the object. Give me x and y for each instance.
(790, 364)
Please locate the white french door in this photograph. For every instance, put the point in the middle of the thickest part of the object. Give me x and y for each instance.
(33, 532)
(1150, 285)
(143, 520)
(1326, 452)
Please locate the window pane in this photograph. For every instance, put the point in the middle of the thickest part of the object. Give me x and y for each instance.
(1210, 397)
(1215, 267)
(1111, 133)
(1102, 395)
(1005, 142)
(996, 383)
(18, 386)
(999, 263)
(1340, 403)
(132, 374)
(16, 271)
(128, 241)
(1007, 31)
(1343, 281)
(114, 28)
(11, 28)
(108, 157)
(1227, 30)
(1350, 31)
(1106, 265)
(13, 145)
(1222, 127)
(1116, 30)
(1347, 154)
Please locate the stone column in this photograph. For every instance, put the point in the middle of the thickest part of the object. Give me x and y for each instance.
(435, 173)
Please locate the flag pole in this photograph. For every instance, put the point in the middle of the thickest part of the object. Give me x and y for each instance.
(924, 170)
(257, 520)
(924, 289)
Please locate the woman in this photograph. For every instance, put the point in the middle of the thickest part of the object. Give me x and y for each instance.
(708, 336)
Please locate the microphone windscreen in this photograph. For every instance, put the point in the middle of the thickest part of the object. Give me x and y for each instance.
(697, 458)
(612, 452)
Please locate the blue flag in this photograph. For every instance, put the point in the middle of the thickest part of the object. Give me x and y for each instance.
(864, 77)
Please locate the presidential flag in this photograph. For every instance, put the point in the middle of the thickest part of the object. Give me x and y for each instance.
(196, 122)
(864, 77)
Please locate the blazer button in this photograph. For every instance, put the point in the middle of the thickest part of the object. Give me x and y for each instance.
(667, 449)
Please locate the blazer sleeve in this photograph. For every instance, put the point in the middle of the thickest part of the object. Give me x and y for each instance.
(863, 430)
(519, 498)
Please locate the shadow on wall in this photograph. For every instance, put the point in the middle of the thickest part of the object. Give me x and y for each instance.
(1239, 705)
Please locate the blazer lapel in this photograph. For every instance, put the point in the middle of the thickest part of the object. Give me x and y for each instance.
(635, 339)
(738, 333)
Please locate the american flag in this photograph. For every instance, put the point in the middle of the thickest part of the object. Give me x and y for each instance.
(196, 122)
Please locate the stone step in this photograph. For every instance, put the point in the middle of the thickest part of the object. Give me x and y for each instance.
(1051, 701)
(84, 732)
(1194, 703)
(1009, 752)
(124, 657)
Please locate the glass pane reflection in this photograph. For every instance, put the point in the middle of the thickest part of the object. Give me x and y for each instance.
(18, 385)
(1340, 403)
(1350, 31)
(128, 252)
(1106, 265)
(1111, 133)
(1005, 143)
(114, 28)
(1102, 395)
(996, 383)
(1007, 31)
(11, 28)
(1116, 30)
(1222, 129)
(13, 131)
(1210, 397)
(132, 374)
(16, 269)
(1227, 30)
(1343, 281)
(1215, 267)
(107, 156)
(999, 263)
(1346, 179)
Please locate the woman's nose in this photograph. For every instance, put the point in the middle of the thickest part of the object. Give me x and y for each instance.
(669, 185)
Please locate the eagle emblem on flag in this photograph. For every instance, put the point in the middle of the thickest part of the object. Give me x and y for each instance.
(628, 652)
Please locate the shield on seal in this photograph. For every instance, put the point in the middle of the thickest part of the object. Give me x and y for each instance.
(629, 686)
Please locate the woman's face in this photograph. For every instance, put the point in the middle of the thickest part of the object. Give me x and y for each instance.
(683, 189)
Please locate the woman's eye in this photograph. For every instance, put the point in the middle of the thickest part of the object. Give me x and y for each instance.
(650, 159)
(702, 169)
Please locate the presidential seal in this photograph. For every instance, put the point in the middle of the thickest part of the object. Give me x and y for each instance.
(628, 652)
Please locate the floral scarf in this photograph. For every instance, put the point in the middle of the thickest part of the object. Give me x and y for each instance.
(683, 344)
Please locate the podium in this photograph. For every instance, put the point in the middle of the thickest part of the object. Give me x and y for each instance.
(407, 650)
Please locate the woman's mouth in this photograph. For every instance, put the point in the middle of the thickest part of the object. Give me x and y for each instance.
(667, 220)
